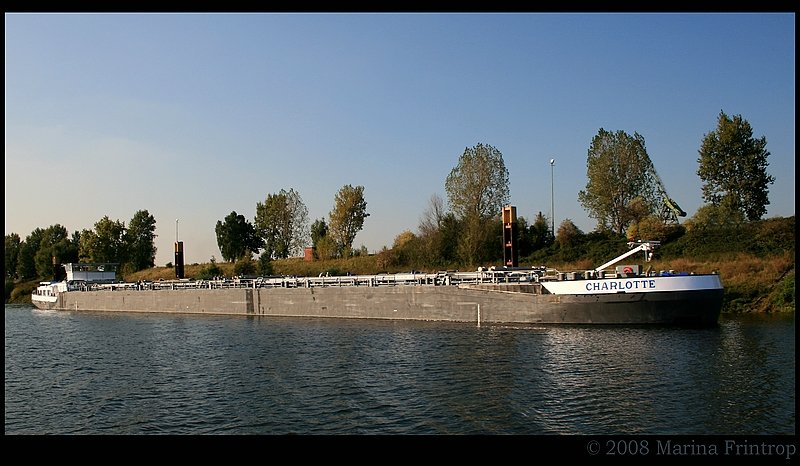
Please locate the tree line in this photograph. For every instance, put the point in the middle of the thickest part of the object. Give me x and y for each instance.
(111, 241)
(280, 229)
(623, 194)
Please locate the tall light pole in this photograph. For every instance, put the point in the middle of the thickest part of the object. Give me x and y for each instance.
(552, 201)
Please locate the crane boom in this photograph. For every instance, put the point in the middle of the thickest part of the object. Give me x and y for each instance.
(670, 210)
(646, 246)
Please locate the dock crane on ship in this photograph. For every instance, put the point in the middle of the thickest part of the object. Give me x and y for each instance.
(670, 210)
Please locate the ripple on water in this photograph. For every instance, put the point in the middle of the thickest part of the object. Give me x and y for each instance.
(85, 373)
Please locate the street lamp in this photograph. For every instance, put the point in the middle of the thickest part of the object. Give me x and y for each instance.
(552, 201)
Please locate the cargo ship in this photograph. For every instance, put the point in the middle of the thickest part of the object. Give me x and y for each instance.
(616, 292)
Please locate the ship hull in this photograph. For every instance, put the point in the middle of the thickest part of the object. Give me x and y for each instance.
(490, 304)
(50, 303)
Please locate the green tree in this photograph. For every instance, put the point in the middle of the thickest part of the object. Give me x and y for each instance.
(477, 244)
(140, 241)
(524, 240)
(616, 177)
(319, 229)
(13, 244)
(326, 248)
(26, 263)
(540, 233)
(650, 228)
(347, 217)
(404, 250)
(236, 237)
(478, 186)
(265, 264)
(54, 244)
(710, 217)
(105, 244)
(26, 259)
(65, 251)
(451, 231)
(282, 222)
(477, 189)
(733, 168)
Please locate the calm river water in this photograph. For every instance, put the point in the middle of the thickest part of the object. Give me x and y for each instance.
(94, 373)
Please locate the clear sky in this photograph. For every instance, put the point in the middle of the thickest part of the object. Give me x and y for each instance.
(192, 116)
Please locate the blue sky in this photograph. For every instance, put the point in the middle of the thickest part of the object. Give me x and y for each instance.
(192, 116)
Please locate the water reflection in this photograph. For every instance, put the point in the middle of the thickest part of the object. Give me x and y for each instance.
(143, 373)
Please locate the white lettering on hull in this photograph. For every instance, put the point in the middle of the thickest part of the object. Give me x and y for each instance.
(634, 285)
(621, 285)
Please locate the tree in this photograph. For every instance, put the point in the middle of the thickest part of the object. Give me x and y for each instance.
(614, 168)
(451, 230)
(430, 241)
(347, 217)
(326, 248)
(540, 233)
(55, 244)
(236, 237)
(477, 189)
(404, 250)
(733, 168)
(650, 228)
(403, 238)
(13, 243)
(105, 244)
(637, 211)
(568, 234)
(710, 216)
(26, 259)
(140, 241)
(322, 245)
(65, 251)
(26, 264)
(478, 186)
(264, 264)
(282, 223)
(431, 219)
(319, 229)
(476, 242)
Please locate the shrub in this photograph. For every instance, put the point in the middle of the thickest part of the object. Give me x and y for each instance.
(244, 266)
(209, 272)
